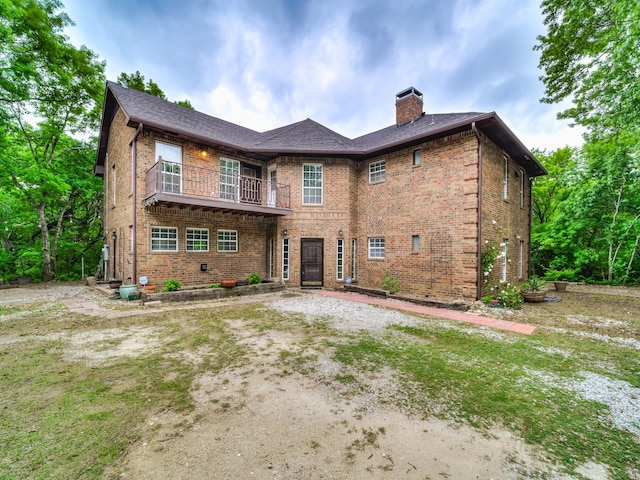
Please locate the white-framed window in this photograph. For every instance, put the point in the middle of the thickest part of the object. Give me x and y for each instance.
(170, 157)
(164, 239)
(197, 239)
(505, 178)
(521, 260)
(376, 247)
(415, 243)
(354, 259)
(504, 245)
(521, 188)
(114, 183)
(229, 179)
(416, 157)
(285, 259)
(227, 240)
(312, 184)
(272, 255)
(377, 171)
(340, 259)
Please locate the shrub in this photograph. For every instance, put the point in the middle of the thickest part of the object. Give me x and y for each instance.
(389, 283)
(254, 279)
(534, 284)
(566, 275)
(506, 294)
(171, 285)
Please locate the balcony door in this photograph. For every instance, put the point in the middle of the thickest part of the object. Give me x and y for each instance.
(229, 179)
(170, 158)
(272, 185)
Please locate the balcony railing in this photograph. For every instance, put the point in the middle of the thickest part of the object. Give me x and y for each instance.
(189, 181)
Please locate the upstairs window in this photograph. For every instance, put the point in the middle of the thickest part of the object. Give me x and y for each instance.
(416, 157)
(312, 184)
(505, 179)
(521, 188)
(377, 171)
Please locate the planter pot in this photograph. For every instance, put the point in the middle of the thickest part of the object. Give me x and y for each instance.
(149, 288)
(126, 290)
(13, 282)
(534, 297)
(226, 283)
(115, 284)
(561, 286)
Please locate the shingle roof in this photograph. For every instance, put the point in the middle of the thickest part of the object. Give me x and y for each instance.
(306, 137)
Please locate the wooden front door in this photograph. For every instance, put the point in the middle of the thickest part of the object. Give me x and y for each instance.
(312, 262)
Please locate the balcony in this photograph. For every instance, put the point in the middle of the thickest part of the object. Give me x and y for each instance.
(174, 185)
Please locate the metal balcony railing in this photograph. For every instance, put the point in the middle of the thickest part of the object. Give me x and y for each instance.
(198, 182)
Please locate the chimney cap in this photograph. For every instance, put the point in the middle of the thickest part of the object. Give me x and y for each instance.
(407, 92)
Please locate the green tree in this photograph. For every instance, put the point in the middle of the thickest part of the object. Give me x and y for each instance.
(591, 55)
(136, 81)
(49, 90)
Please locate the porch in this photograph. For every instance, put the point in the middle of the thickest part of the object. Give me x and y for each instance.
(175, 185)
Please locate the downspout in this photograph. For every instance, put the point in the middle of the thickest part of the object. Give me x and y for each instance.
(479, 278)
(530, 215)
(134, 228)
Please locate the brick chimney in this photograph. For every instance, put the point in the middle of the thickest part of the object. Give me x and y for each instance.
(408, 105)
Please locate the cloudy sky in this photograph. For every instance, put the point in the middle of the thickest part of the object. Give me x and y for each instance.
(267, 63)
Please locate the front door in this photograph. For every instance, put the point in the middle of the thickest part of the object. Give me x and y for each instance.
(311, 258)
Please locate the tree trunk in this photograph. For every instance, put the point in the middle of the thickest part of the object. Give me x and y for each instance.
(46, 244)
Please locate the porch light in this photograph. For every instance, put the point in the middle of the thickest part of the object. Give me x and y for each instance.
(285, 232)
(113, 236)
(203, 153)
(340, 232)
(203, 267)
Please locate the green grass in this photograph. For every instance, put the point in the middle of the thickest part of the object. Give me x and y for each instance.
(487, 382)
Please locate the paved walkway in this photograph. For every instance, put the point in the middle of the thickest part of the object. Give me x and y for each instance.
(433, 312)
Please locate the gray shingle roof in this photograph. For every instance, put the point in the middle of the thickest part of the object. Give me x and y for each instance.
(306, 137)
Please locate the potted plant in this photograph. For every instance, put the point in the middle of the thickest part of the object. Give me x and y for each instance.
(561, 278)
(227, 283)
(533, 290)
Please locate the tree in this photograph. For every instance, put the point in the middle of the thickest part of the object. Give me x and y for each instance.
(136, 81)
(591, 55)
(49, 90)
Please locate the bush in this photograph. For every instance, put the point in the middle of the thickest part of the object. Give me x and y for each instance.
(565, 275)
(389, 283)
(171, 285)
(506, 294)
(254, 279)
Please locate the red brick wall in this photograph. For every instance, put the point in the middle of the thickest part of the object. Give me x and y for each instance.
(437, 201)
(505, 218)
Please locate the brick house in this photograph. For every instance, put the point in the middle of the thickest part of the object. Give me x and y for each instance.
(195, 198)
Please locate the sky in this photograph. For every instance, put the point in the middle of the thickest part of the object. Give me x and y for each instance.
(264, 64)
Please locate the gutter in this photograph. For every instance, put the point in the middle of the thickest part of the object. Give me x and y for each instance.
(479, 278)
(134, 179)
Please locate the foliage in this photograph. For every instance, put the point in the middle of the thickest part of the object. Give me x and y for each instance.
(254, 279)
(590, 54)
(389, 283)
(534, 284)
(171, 285)
(506, 294)
(49, 92)
(136, 81)
(566, 275)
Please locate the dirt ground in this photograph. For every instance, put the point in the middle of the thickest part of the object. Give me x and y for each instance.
(253, 422)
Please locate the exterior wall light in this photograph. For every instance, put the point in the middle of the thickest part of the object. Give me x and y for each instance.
(285, 232)
(340, 232)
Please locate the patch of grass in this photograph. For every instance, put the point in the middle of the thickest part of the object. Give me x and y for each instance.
(488, 382)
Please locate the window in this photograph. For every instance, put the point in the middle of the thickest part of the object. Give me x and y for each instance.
(312, 184)
(285, 259)
(197, 240)
(229, 179)
(415, 241)
(521, 188)
(505, 180)
(353, 259)
(113, 179)
(377, 171)
(376, 248)
(170, 157)
(340, 259)
(227, 240)
(416, 157)
(521, 260)
(164, 239)
(504, 245)
(272, 254)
